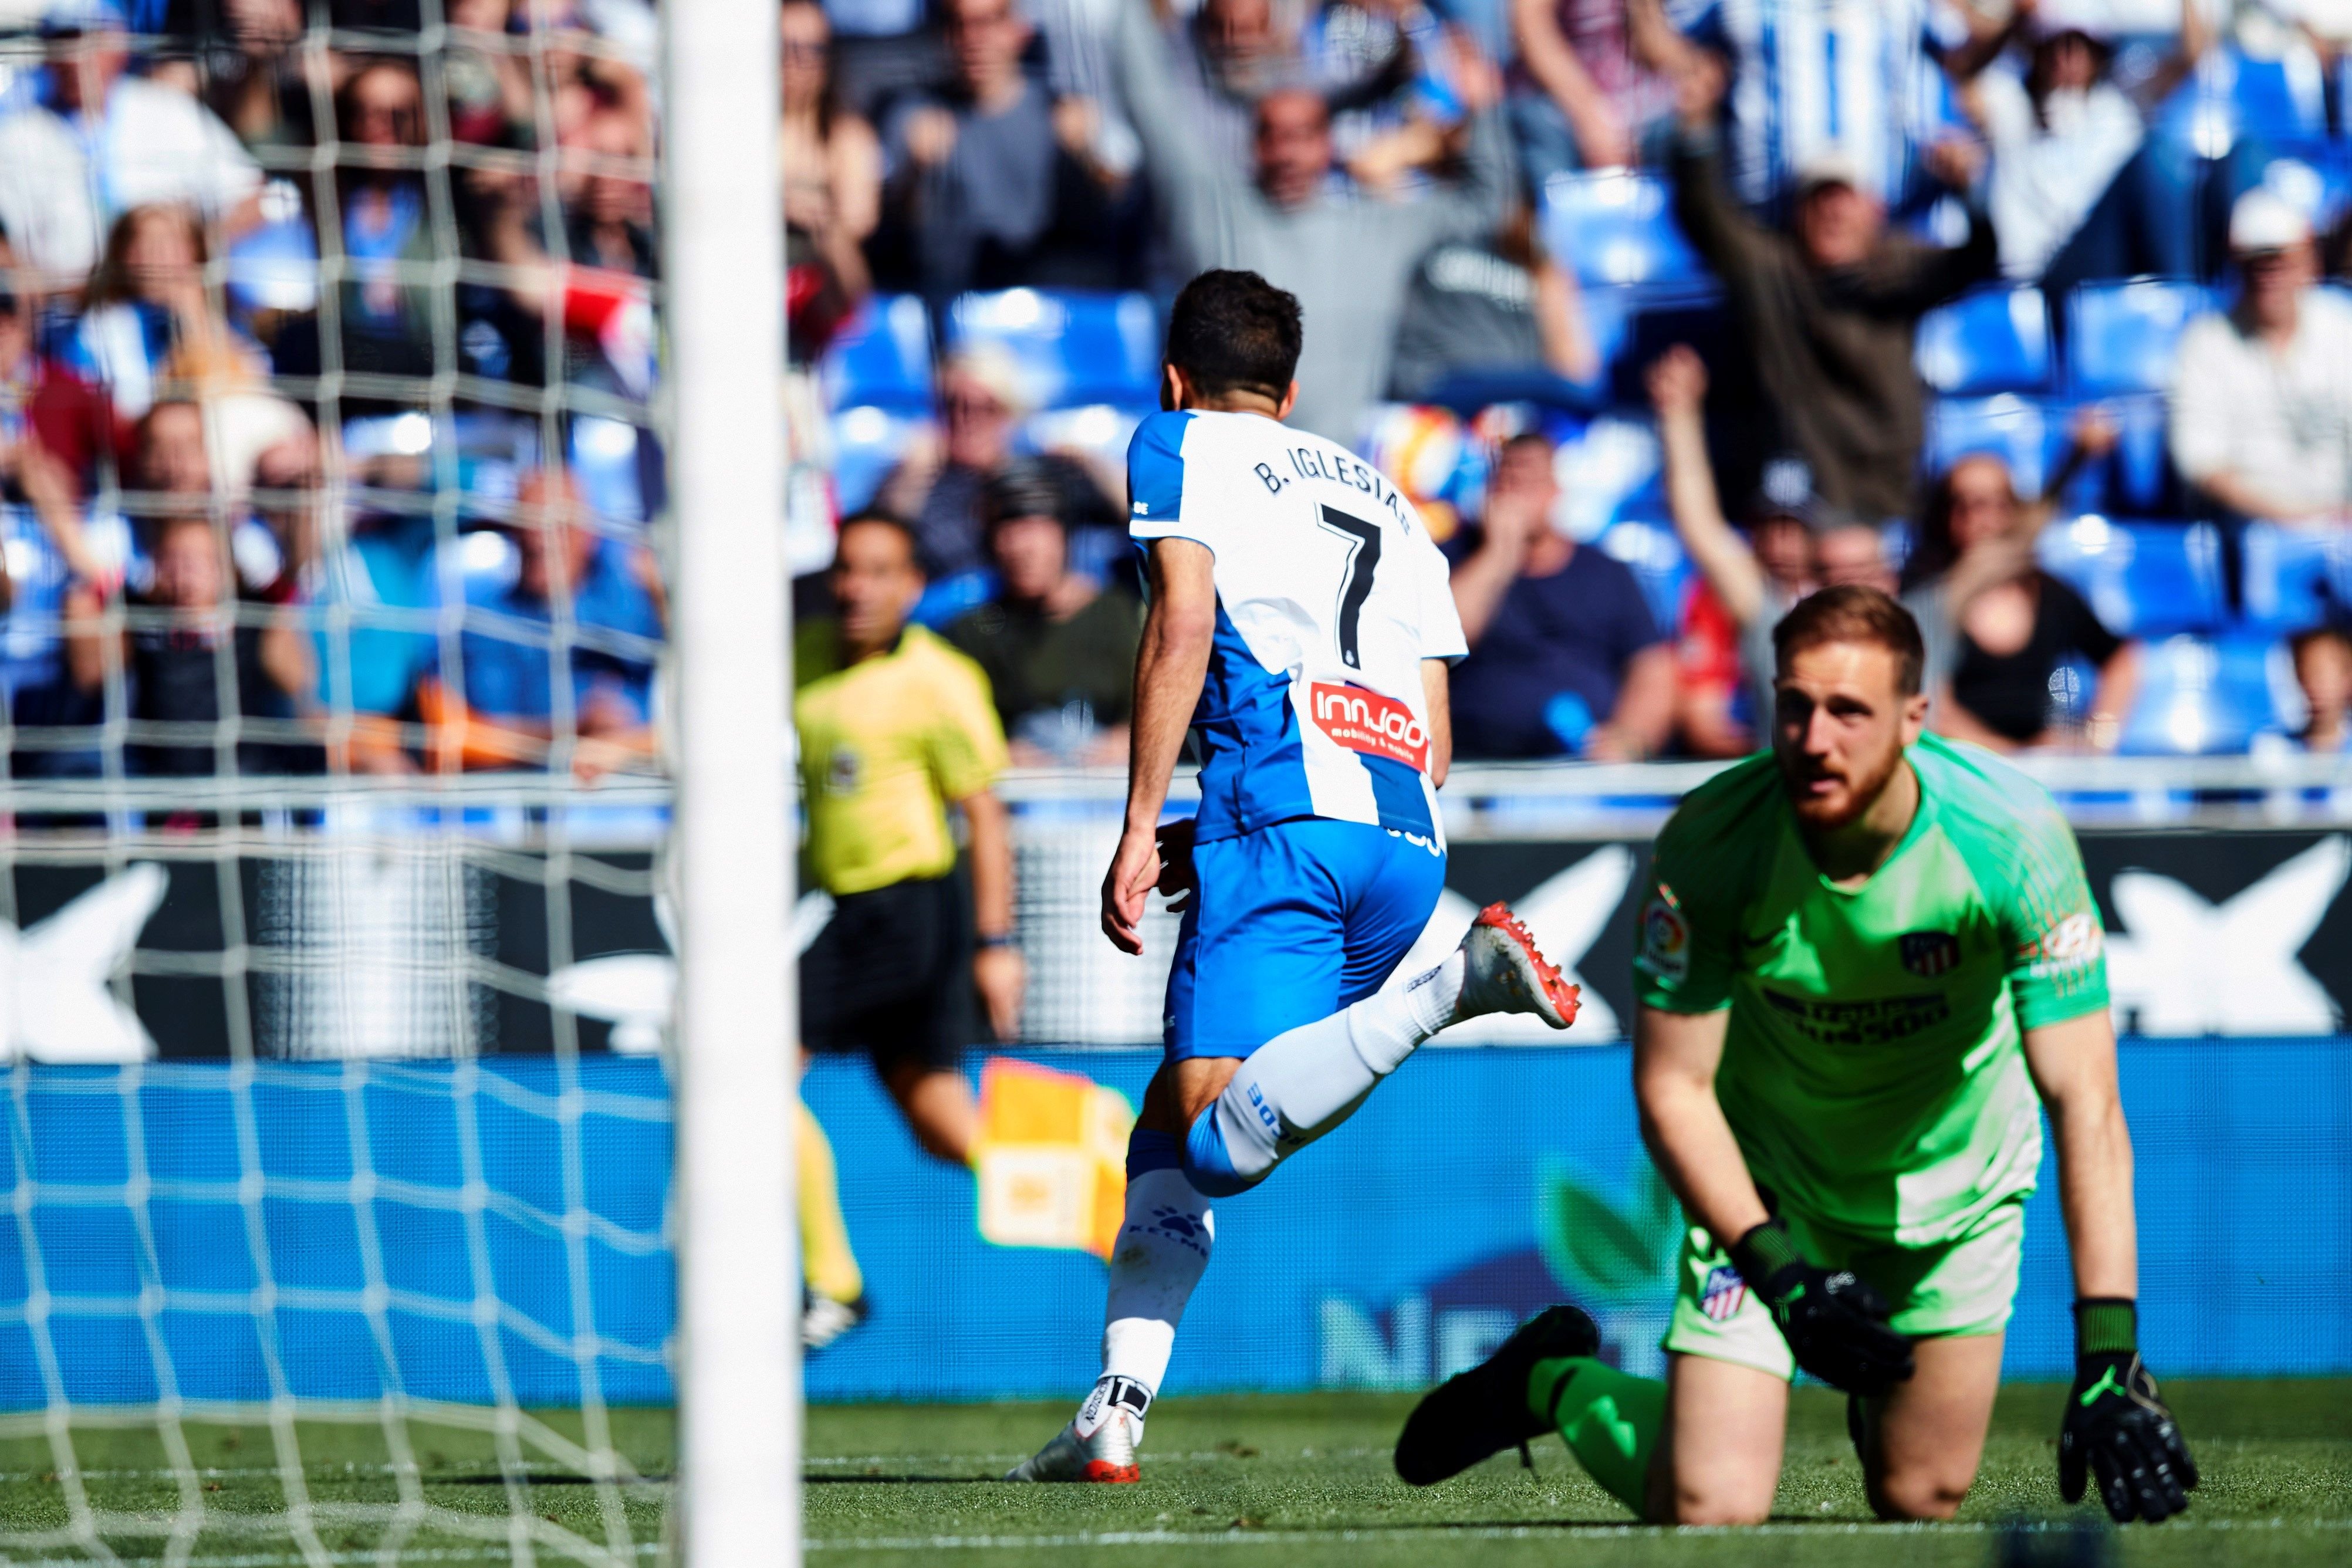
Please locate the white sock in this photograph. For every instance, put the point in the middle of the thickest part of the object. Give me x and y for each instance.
(1391, 1025)
(1305, 1081)
(1162, 1248)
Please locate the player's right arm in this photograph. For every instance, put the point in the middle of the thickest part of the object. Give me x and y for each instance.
(1171, 663)
(1675, 1056)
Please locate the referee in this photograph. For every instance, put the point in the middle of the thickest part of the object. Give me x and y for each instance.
(894, 727)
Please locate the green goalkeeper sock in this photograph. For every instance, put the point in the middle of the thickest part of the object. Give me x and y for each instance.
(1610, 1421)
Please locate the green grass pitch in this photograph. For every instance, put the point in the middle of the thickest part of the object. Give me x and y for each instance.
(1237, 1482)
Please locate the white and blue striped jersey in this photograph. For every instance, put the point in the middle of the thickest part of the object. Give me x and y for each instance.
(1330, 595)
(1856, 77)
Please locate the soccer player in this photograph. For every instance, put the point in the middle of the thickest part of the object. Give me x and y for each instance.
(894, 727)
(1301, 628)
(1863, 957)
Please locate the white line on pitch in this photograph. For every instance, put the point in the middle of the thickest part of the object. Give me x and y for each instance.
(1277, 1536)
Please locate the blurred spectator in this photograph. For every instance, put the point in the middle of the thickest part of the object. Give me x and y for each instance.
(592, 59)
(1058, 650)
(147, 311)
(1349, 262)
(488, 86)
(596, 300)
(2010, 629)
(938, 483)
(2323, 670)
(2077, 190)
(1391, 74)
(1749, 584)
(1564, 657)
(578, 601)
(1829, 311)
(993, 187)
(385, 301)
(1795, 545)
(2261, 408)
(107, 143)
(608, 217)
(1491, 320)
(251, 71)
(1230, 53)
(833, 185)
(1810, 79)
(1594, 83)
(41, 401)
(189, 658)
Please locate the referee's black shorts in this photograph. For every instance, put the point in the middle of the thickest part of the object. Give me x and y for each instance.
(891, 975)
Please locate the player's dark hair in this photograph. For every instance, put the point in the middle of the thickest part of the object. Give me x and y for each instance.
(1235, 332)
(1024, 487)
(877, 517)
(1851, 613)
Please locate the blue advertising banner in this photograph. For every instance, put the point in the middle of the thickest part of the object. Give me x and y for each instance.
(462, 1232)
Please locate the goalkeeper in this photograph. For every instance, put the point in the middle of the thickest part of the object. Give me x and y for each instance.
(1862, 958)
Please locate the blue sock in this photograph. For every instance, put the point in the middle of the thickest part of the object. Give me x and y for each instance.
(1206, 1164)
(1292, 1090)
(1149, 1151)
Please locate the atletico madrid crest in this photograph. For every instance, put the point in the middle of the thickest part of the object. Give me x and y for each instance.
(1726, 1291)
(1930, 953)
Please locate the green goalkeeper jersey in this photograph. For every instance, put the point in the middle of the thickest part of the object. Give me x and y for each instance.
(1874, 1067)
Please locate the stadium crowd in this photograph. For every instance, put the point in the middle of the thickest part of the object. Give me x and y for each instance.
(1663, 311)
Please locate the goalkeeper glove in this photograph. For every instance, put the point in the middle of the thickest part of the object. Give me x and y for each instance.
(1837, 1325)
(2116, 1428)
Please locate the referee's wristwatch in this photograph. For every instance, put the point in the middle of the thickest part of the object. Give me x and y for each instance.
(1001, 939)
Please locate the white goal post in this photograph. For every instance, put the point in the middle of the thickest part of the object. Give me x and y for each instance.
(739, 1384)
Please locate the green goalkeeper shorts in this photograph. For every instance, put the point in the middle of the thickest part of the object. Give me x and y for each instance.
(1963, 1287)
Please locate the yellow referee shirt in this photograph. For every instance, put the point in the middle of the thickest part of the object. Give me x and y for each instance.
(885, 745)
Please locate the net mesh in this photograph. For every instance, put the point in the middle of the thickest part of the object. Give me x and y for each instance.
(324, 624)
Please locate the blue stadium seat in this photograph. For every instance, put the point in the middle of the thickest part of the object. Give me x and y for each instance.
(1617, 228)
(2273, 100)
(1996, 340)
(2202, 696)
(1100, 432)
(1655, 557)
(2144, 579)
(867, 443)
(1071, 348)
(2026, 433)
(1658, 325)
(2294, 576)
(881, 357)
(2120, 336)
(945, 598)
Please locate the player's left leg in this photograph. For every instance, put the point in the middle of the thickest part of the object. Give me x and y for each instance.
(1921, 1444)
(833, 1286)
(1300, 1084)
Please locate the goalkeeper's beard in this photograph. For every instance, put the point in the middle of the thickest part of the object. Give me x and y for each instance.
(1863, 781)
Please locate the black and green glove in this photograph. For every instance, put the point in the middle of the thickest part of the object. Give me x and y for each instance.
(2116, 1428)
(1837, 1325)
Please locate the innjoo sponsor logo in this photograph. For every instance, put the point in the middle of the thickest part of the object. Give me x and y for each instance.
(1363, 721)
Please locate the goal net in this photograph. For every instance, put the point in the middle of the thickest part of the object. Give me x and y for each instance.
(341, 1212)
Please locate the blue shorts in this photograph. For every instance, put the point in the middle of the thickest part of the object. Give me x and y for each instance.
(1290, 924)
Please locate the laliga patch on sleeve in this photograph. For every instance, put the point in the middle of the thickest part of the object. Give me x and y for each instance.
(1666, 939)
(2070, 944)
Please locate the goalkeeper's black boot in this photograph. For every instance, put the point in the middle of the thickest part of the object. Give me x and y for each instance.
(1484, 1411)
